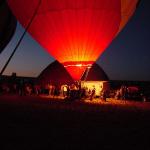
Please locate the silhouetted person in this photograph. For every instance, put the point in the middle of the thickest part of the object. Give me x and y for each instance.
(21, 87)
(92, 93)
(104, 95)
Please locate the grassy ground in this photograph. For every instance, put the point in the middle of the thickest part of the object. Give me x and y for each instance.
(39, 123)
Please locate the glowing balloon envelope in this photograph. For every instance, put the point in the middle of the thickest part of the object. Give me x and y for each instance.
(75, 32)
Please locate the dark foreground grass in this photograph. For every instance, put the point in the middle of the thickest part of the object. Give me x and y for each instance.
(34, 123)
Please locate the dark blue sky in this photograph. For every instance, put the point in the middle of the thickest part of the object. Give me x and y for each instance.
(126, 58)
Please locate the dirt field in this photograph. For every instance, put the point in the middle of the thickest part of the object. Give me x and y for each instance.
(39, 123)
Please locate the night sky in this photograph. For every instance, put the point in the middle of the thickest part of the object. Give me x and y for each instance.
(126, 58)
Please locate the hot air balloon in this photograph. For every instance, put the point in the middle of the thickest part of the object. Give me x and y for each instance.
(7, 24)
(75, 32)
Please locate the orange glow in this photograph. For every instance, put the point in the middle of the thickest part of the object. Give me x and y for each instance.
(79, 65)
(127, 10)
(76, 69)
(74, 30)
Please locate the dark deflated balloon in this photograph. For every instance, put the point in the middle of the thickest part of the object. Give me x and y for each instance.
(7, 24)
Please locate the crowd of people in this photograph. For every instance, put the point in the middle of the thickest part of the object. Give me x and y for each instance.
(130, 93)
(73, 91)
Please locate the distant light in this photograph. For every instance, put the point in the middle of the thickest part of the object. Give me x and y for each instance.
(89, 66)
(79, 65)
